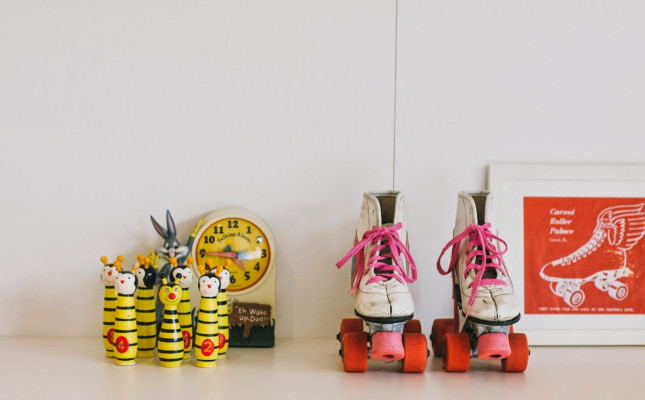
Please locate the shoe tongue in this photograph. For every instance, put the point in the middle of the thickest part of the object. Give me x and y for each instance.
(385, 250)
(490, 273)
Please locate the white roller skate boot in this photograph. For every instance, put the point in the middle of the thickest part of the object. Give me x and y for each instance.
(382, 269)
(485, 302)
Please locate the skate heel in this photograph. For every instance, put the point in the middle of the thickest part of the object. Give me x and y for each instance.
(493, 346)
(387, 346)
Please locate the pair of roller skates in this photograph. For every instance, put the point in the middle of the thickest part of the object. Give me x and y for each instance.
(382, 269)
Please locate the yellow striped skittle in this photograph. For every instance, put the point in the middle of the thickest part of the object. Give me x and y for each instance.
(125, 319)
(207, 329)
(146, 315)
(183, 276)
(146, 322)
(222, 310)
(170, 345)
(186, 321)
(108, 274)
(207, 333)
(222, 307)
(109, 309)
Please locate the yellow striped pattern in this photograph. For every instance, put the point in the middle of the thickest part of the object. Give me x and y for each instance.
(146, 322)
(207, 330)
(185, 321)
(170, 347)
(109, 308)
(125, 330)
(222, 310)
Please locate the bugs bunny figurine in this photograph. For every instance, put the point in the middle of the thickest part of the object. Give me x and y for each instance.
(171, 248)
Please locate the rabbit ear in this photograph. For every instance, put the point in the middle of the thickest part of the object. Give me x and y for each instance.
(161, 231)
(171, 224)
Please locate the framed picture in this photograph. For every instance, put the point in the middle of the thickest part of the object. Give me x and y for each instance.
(576, 250)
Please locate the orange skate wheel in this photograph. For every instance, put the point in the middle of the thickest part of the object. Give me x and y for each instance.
(519, 358)
(456, 347)
(354, 349)
(412, 326)
(574, 297)
(350, 325)
(439, 329)
(416, 352)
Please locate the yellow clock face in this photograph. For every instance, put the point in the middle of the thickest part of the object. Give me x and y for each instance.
(240, 241)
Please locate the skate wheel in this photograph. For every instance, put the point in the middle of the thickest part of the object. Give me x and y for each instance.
(416, 352)
(558, 288)
(350, 325)
(574, 297)
(456, 349)
(493, 346)
(519, 358)
(354, 346)
(439, 329)
(412, 326)
(618, 290)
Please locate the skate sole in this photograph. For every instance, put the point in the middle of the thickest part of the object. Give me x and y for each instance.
(610, 274)
(384, 320)
(492, 323)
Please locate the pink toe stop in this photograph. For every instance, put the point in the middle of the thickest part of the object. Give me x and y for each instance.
(387, 346)
(493, 346)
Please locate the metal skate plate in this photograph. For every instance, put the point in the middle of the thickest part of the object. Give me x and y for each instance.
(376, 327)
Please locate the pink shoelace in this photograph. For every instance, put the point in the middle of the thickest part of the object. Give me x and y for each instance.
(381, 237)
(481, 254)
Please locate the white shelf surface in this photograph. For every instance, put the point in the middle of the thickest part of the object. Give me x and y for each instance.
(75, 368)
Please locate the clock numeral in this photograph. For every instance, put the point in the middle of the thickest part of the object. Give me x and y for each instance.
(232, 224)
(232, 279)
(248, 230)
(218, 229)
(209, 239)
(264, 253)
(247, 275)
(256, 266)
(201, 253)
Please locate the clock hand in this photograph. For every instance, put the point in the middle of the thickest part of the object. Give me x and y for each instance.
(249, 255)
(228, 254)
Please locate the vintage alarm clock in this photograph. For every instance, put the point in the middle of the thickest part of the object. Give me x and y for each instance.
(245, 241)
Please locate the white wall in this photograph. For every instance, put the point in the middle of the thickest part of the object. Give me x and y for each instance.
(110, 112)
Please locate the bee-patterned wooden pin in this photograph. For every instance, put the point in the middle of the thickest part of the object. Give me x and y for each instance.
(170, 345)
(146, 317)
(222, 307)
(125, 324)
(108, 274)
(183, 275)
(207, 330)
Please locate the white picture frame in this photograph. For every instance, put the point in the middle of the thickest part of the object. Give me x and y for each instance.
(510, 183)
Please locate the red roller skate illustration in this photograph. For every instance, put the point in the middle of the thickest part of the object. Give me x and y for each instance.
(602, 260)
